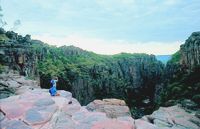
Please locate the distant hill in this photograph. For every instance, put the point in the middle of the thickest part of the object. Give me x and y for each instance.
(163, 58)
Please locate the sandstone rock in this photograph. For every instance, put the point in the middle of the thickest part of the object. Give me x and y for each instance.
(114, 102)
(12, 109)
(65, 94)
(70, 109)
(32, 117)
(2, 116)
(64, 122)
(38, 110)
(112, 124)
(141, 124)
(15, 124)
(11, 84)
(44, 102)
(174, 117)
(112, 107)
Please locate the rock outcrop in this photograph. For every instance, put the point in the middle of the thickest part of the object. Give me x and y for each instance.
(18, 54)
(182, 72)
(36, 109)
(113, 108)
(190, 51)
(173, 117)
(11, 84)
(132, 78)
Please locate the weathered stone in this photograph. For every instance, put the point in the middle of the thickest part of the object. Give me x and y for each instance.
(12, 109)
(70, 109)
(65, 94)
(174, 117)
(141, 124)
(32, 117)
(114, 102)
(162, 124)
(16, 124)
(44, 102)
(2, 116)
(112, 107)
(112, 124)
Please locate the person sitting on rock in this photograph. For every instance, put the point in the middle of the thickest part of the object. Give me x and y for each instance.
(53, 90)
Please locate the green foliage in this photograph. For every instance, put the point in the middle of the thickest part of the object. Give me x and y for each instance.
(1, 68)
(185, 85)
(175, 57)
(136, 112)
(3, 38)
(129, 55)
(51, 67)
(196, 98)
(176, 90)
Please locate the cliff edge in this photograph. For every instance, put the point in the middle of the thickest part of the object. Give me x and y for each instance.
(35, 108)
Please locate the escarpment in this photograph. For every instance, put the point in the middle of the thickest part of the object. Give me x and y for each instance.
(87, 75)
(34, 108)
(182, 72)
(139, 79)
(18, 53)
(190, 51)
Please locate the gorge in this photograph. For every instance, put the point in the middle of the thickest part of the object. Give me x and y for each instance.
(140, 79)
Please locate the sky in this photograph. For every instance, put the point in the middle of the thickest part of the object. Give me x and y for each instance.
(106, 26)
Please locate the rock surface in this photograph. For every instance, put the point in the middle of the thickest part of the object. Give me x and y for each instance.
(174, 117)
(112, 107)
(36, 109)
(12, 83)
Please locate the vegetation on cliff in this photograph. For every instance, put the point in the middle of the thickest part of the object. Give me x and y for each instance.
(87, 75)
(131, 77)
(175, 57)
(184, 70)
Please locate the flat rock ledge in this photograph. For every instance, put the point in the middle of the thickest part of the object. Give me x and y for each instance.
(36, 109)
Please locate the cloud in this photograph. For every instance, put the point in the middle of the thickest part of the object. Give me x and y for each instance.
(101, 46)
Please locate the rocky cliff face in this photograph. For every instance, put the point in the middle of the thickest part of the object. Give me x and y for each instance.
(190, 51)
(17, 53)
(87, 75)
(133, 78)
(182, 71)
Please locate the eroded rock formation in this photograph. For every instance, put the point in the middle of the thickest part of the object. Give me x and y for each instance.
(190, 51)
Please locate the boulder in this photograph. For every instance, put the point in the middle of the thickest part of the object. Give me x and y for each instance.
(112, 107)
(174, 117)
(114, 102)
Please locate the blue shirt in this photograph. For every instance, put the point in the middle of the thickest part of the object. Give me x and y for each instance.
(53, 82)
